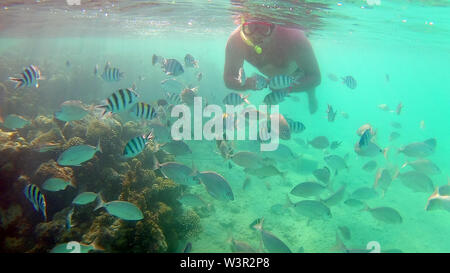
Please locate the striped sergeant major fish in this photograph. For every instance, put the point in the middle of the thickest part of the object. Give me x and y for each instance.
(28, 78)
(136, 145)
(276, 97)
(282, 82)
(190, 61)
(349, 81)
(120, 100)
(35, 196)
(172, 67)
(111, 74)
(157, 59)
(295, 126)
(144, 111)
(235, 99)
(174, 98)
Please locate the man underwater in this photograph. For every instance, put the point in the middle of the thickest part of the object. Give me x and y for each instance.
(273, 50)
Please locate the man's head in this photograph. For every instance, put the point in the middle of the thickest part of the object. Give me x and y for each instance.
(256, 33)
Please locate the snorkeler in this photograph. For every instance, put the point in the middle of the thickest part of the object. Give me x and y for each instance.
(273, 50)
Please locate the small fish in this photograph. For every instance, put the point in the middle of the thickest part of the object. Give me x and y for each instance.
(235, 99)
(399, 108)
(69, 224)
(157, 59)
(307, 189)
(364, 193)
(199, 76)
(68, 64)
(282, 82)
(189, 61)
(331, 114)
(187, 95)
(349, 81)
(136, 145)
(28, 78)
(241, 247)
(71, 110)
(121, 209)
(335, 162)
(265, 171)
(425, 166)
(296, 126)
(172, 85)
(144, 111)
(335, 144)
(283, 130)
(47, 147)
(261, 81)
(111, 74)
(172, 67)
(56, 184)
(312, 209)
(176, 147)
(225, 149)
(187, 248)
(247, 159)
(333, 77)
(396, 125)
(76, 155)
(387, 77)
(174, 98)
(276, 97)
(419, 149)
(336, 197)
(37, 199)
(393, 136)
(282, 154)
(417, 181)
(120, 101)
(271, 242)
(345, 232)
(216, 185)
(84, 198)
(344, 115)
(383, 107)
(178, 172)
(14, 122)
(320, 142)
(278, 209)
(370, 166)
(241, 76)
(383, 180)
(322, 174)
(385, 214)
(355, 203)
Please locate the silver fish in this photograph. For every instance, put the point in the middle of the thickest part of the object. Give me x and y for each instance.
(216, 185)
(385, 214)
(307, 189)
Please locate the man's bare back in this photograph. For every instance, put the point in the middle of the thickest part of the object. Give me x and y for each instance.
(287, 51)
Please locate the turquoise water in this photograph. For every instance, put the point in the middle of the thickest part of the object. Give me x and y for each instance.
(367, 43)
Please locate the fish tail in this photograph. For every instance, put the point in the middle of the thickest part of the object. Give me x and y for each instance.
(98, 148)
(288, 201)
(100, 202)
(156, 164)
(19, 82)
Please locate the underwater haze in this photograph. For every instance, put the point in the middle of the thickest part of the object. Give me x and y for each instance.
(72, 75)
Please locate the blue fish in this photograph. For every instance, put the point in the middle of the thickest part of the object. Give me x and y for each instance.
(275, 97)
(28, 78)
(235, 99)
(136, 145)
(172, 67)
(261, 81)
(144, 111)
(111, 74)
(34, 195)
(281, 82)
(349, 81)
(174, 98)
(295, 126)
(120, 100)
(190, 61)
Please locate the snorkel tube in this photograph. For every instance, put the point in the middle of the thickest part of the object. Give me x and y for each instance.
(246, 40)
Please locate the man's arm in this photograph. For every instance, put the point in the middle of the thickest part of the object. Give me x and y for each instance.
(234, 59)
(306, 60)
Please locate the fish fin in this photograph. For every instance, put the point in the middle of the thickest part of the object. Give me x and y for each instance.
(288, 202)
(100, 202)
(19, 82)
(245, 98)
(98, 148)
(259, 226)
(385, 153)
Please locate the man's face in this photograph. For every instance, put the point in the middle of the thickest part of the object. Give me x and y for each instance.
(258, 32)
